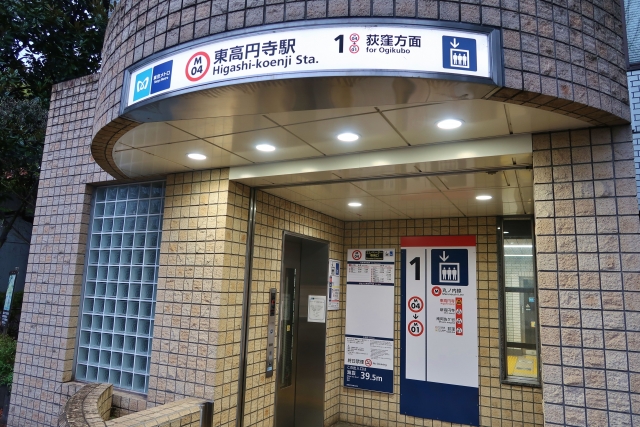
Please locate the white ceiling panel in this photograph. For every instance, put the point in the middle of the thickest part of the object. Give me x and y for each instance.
(337, 209)
(289, 194)
(136, 163)
(375, 134)
(505, 208)
(151, 134)
(530, 120)
(244, 144)
(215, 126)
(403, 201)
(481, 119)
(510, 194)
(293, 117)
(329, 191)
(380, 187)
(415, 197)
(216, 157)
(472, 180)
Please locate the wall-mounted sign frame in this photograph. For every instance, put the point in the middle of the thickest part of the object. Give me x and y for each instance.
(8, 298)
(369, 342)
(333, 286)
(322, 48)
(439, 341)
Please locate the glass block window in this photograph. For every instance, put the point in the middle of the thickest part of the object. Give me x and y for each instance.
(118, 304)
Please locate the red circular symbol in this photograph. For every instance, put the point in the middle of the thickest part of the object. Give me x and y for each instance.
(197, 66)
(356, 255)
(436, 291)
(354, 48)
(368, 362)
(415, 304)
(354, 38)
(415, 328)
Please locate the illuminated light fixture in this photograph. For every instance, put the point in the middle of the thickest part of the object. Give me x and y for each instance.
(196, 156)
(518, 255)
(505, 232)
(265, 147)
(484, 197)
(511, 245)
(348, 137)
(449, 124)
(355, 204)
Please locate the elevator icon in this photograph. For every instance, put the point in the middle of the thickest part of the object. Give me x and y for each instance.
(449, 267)
(459, 53)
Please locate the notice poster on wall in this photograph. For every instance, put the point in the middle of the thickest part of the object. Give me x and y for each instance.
(439, 343)
(333, 287)
(368, 354)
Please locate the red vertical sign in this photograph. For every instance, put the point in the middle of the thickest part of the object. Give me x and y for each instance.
(458, 316)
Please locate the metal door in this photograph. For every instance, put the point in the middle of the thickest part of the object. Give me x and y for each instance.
(300, 372)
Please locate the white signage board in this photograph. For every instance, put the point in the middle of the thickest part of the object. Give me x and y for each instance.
(368, 357)
(333, 286)
(312, 50)
(439, 348)
(317, 309)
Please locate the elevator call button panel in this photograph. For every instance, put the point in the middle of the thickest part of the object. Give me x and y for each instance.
(271, 331)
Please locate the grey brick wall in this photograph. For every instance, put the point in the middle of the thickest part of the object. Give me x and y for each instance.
(588, 259)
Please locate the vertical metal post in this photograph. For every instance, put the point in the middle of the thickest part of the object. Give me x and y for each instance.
(246, 299)
(206, 414)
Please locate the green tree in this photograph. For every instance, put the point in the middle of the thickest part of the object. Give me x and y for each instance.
(48, 41)
(42, 42)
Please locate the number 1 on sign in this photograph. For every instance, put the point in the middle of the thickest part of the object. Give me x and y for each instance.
(416, 262)
(340, 40)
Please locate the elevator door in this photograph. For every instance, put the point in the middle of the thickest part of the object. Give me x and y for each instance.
(300, 372)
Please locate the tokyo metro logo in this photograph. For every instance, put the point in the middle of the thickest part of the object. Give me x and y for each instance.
(152, 80)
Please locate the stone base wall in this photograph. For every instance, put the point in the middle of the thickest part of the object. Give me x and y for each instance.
(588, 259)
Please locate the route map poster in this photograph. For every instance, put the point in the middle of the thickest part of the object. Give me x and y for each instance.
(368, 354)
(439, 343)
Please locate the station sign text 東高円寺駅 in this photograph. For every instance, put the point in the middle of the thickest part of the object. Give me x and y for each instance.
(314, 50)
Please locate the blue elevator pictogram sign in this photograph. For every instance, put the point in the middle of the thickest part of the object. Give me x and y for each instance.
(450, 267)
(459, 53)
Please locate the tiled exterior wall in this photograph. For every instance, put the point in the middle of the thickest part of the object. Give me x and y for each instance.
(56, 262)
(500, 404)
(561, 56)
(196, 340)
(588, 258)
(274, 216)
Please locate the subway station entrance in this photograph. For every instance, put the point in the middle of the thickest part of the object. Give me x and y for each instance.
(391, 215)
(356, 221)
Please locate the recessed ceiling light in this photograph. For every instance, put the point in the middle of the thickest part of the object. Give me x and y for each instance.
(449, 124)
(348, 137)
(196, 156)
(355, 204)
(484, 197)
(505, 232)
(265, 147)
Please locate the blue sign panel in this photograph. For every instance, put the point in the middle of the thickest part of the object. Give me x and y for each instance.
(368, 378)
(161, 77)
(459, 53)
(450, 267)
(142, 87)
